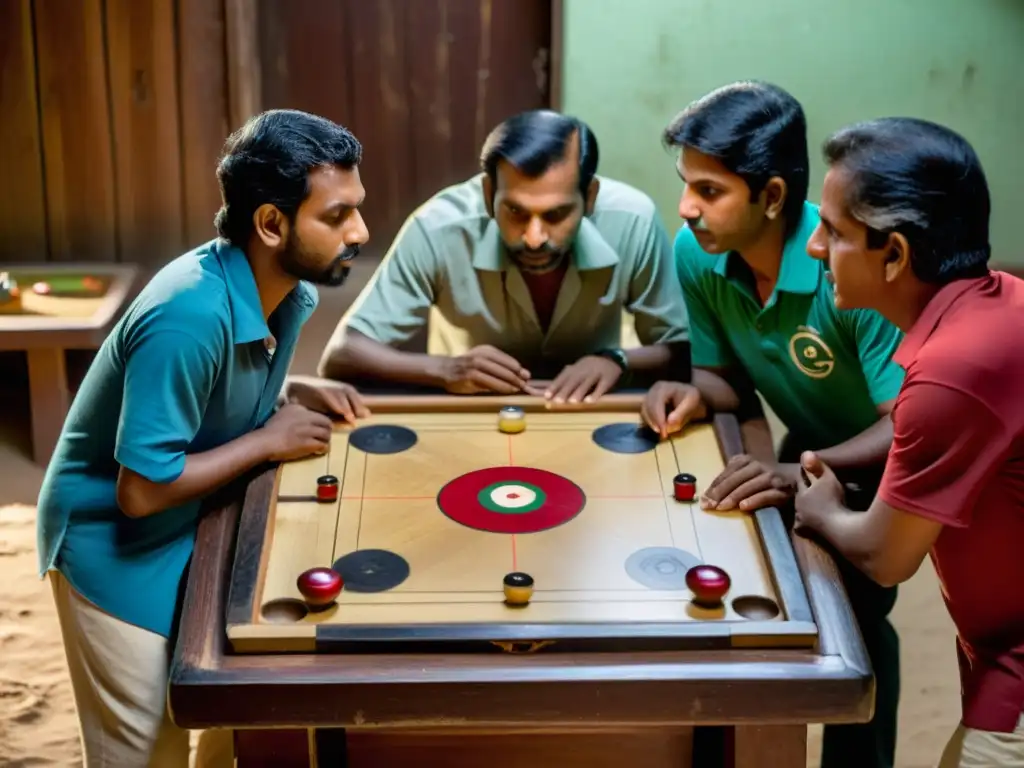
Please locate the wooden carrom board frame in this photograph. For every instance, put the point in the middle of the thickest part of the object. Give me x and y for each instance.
(795, 627)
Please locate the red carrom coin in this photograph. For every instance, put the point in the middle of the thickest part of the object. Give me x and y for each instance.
(511, 500)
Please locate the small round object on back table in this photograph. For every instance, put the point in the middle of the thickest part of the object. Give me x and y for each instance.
(319, 587)
(327, 488)
(511, 419)
(709, 583)
(518, 588)
(684, 487)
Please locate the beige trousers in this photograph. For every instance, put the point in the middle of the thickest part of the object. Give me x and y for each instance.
(119, 678)
(970, 748)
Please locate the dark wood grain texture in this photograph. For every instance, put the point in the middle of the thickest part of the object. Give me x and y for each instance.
(22, 197)
(143, 82)
(245, 83)
(419, 82)
(77, 130)
(205, 124)
(785, 570)
(252, 546)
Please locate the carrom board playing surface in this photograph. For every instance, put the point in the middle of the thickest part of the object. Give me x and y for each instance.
(435, 506)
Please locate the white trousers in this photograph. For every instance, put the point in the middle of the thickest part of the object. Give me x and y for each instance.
(971, 748)
(119, 677)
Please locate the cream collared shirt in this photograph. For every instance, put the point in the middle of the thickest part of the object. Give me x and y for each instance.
(447, 273)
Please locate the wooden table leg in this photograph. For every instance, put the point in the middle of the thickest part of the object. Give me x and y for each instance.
(769, 746)
(49, 399)
(290, 748)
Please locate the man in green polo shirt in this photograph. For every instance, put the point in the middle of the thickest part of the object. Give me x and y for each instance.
(522, 273)
(763, 321)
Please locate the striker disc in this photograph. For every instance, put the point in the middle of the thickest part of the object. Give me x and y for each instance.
(511, 500)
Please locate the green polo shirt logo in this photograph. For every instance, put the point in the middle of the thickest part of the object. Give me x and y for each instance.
(810, 354)
(823, 371)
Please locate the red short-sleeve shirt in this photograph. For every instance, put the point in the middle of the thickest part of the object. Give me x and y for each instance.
(958, 458)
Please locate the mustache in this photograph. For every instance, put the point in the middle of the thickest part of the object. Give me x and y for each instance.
(545, 250)
(348, 254)
(697, 224)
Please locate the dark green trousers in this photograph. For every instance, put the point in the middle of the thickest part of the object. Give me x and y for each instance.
(871, 744)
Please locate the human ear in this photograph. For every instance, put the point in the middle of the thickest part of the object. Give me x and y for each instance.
(897, 256)
(592, 191)
(774, 197)
(488, 193)
(270, 225)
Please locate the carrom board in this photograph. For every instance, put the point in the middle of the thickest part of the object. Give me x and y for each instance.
(74, 297)
(435, 506)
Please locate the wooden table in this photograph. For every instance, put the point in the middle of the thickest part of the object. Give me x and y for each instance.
(606, 663)
(44, 326)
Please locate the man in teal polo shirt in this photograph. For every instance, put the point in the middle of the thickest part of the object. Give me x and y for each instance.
(763, 320)
(180, 401)
(535, 269)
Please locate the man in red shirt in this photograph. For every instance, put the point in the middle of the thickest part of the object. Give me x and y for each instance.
(904, 228)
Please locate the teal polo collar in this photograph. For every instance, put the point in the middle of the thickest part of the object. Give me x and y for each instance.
(247, 321)
(798, 272)
(590, 251)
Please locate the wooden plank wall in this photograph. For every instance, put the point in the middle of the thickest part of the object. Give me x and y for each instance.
(419, 82)
(110, 135)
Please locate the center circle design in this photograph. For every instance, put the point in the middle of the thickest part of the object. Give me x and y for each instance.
(511, 500)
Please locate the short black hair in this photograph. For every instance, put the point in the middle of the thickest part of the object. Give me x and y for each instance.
(756, 130)
(924, 181)
(533, 141)
(269, 159)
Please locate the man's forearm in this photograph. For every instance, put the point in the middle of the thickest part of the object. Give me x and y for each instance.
(851, 534)
(664, 359)
(757, 439)
(721, 396)
(204, 473)
(361, 357)
(869, 448)
(717, 393)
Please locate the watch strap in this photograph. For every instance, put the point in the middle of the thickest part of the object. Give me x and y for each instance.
(617, 355)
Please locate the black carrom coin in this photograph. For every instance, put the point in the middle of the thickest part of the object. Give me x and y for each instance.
(371, 570)
(626, 438)
(382, 438)
(661, 567)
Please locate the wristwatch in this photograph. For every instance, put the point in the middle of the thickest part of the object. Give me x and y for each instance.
(617, 355)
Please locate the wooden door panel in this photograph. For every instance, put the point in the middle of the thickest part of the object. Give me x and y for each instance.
(420, 83)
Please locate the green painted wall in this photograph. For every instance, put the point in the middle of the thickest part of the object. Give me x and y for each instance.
(630, 65)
